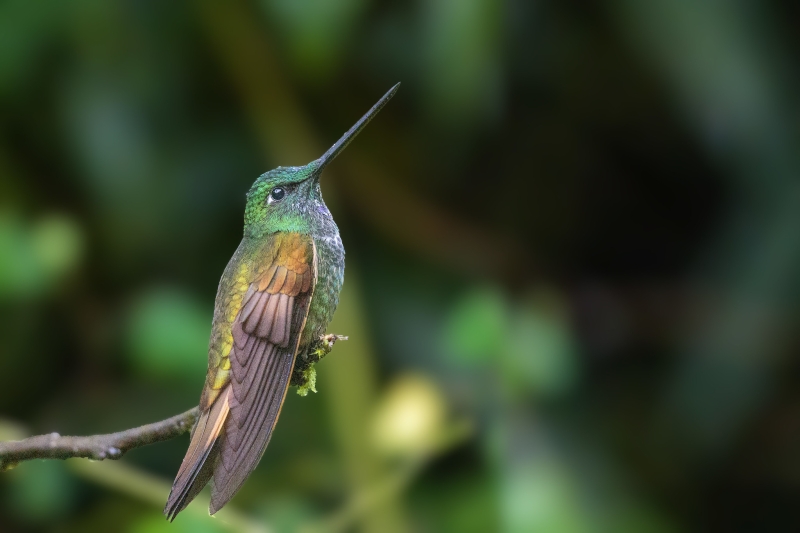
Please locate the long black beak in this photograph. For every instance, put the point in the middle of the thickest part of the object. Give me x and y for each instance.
(342, 143)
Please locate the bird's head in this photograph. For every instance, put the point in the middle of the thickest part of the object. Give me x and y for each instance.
(280, 198)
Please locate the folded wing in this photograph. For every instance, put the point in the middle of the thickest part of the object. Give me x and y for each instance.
(249, 384)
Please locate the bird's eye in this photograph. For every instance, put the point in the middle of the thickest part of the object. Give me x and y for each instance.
(277, 194)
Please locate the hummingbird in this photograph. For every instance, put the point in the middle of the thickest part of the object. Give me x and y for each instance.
(274, 302)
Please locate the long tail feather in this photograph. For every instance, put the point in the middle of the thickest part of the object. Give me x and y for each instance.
(198, 464)
(254, 413)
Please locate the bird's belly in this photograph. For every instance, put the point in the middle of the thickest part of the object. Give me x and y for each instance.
(330, 276)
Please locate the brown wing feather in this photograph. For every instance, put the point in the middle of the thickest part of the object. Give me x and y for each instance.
(262, 360)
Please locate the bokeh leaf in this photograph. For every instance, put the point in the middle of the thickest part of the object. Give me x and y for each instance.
(477, 328)
(167, 333)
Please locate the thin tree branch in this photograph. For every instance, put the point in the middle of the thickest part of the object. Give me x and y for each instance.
(97, 447)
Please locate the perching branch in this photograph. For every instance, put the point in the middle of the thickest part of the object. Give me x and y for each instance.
(97, 447)
(114, 445)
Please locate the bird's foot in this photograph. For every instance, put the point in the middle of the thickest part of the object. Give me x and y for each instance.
(305, 375)
(326, 343)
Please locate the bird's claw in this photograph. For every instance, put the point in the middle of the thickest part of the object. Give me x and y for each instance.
(327, 342)
(325, 345)
(305, 375)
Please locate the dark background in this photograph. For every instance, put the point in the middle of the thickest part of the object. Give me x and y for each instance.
(573, 257)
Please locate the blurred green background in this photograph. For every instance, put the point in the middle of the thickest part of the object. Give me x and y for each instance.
(573, 257)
